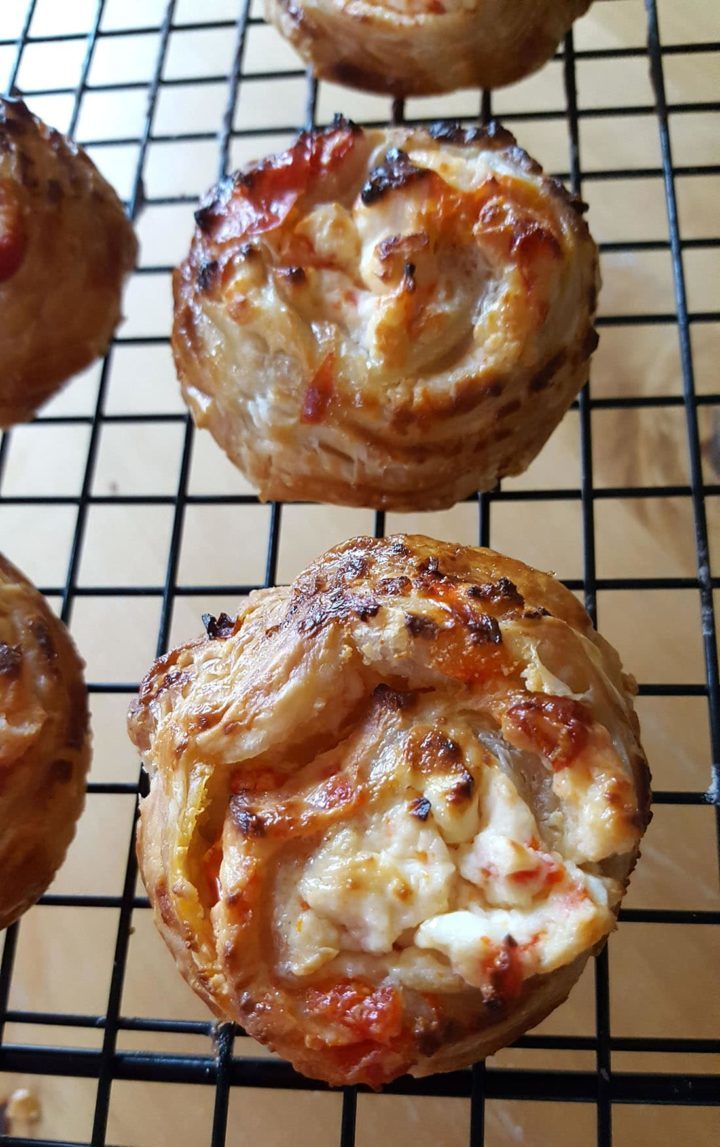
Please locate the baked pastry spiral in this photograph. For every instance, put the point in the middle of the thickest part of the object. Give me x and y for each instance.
(423, 47)
(66, 246)
(393, 808)
(386, 318)
(44, 743)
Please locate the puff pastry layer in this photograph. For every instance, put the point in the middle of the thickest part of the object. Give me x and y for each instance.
(393, 808)
(44, 743)
(422, 47)
(386, 318)
(66, 246)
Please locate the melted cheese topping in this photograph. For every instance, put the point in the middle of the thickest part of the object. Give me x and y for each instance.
(400, 283)
(454, 878)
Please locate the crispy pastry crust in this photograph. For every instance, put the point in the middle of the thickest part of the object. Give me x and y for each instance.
(422, 47)
(44, 743)
(393, 808)
(66, 246)
(386, 318)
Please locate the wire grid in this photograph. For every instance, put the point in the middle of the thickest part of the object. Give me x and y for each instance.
(222, 1070)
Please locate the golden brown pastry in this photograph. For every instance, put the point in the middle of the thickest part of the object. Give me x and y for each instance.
(386, 318)
(421, 47)
(393, 808)
(66, 246)
(44, 743)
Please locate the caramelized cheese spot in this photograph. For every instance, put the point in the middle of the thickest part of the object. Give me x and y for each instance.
(319, 392)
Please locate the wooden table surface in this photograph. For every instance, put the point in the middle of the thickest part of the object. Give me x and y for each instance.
(664, 978)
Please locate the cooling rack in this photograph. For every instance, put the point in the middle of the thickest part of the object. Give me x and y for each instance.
(627, 494)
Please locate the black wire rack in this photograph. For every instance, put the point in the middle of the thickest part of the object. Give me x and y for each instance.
(220, 1067)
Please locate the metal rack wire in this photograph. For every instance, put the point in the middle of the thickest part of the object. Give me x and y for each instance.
(223, 1070)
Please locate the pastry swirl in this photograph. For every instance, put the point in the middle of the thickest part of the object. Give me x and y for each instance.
(44, 743)
(66, 246)
(386, 318)
(393, 808)
(423, 47)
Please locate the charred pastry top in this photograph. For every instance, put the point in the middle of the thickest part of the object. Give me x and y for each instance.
(492, 134)
(271, 187)
(394, 808)
(396, 171)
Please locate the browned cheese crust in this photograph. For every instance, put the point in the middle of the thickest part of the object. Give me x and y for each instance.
(66, 246)
(44, 743)
(422, 47)
(386, 318)
(393, 808)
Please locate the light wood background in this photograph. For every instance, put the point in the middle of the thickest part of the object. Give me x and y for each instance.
(664, 978)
